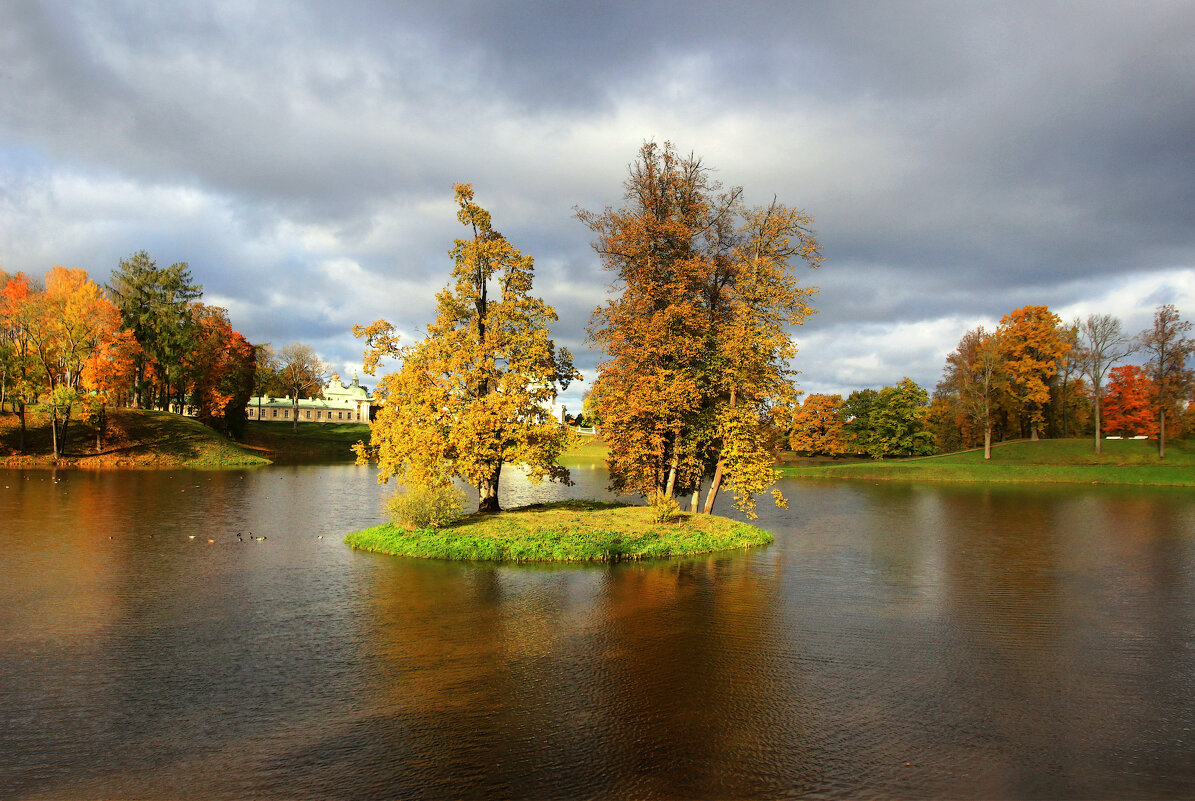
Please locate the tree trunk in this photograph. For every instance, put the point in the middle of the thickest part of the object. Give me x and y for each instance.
(695, 503)
(20, 407)
(713, 491)
(295, 414)
(54, 432)
(66, 421)
(716, 484)
(1162, 434)
(487, 491)
(987, 442)
(1099, 441)
(671, 485)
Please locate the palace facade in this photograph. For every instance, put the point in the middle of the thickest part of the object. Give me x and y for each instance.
(339, 404)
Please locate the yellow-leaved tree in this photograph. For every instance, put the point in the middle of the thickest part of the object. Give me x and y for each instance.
(696, 341)
(475, 393)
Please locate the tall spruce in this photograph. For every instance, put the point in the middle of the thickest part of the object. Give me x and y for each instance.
(154, 304)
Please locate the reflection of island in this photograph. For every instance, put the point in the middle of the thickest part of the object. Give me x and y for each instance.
(637, 681)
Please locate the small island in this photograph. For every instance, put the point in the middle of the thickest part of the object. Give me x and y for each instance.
(564, 531)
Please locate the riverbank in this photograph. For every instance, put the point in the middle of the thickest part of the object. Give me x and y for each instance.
(566, 531)
(1067, 461)
(135, 438)
(321, 442)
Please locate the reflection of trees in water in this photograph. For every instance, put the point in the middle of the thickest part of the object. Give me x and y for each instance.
(642, 679)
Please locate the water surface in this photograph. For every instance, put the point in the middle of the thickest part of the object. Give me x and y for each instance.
(896, 641)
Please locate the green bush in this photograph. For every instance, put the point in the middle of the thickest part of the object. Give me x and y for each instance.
(664, 508)
(426, 507)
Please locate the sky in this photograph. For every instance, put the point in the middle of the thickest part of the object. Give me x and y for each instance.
(959, 160)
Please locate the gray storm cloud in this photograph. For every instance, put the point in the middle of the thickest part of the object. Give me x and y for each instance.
(959, 159)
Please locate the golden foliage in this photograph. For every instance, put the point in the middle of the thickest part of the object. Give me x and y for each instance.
(475, 392)
(696, 342)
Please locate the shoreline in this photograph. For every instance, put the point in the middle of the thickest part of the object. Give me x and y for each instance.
(563, 531)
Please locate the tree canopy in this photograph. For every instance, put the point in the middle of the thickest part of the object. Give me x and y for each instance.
(696, 340)
(475, 392)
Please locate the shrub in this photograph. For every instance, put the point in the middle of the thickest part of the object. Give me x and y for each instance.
(426, 507)
(664, 508)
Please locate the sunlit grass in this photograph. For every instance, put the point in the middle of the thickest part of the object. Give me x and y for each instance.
(566, 531)
(135, 438)
(1071, 461)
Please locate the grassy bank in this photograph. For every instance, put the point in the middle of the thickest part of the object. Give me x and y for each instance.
(135, 438)
(324, 442)
(586, 448)
(567, 531)
(1068, 461)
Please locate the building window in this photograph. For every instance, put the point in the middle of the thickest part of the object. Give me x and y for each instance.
(275, 412)
(308, 414)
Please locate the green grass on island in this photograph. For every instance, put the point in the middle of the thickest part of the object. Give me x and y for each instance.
(135, 438)
(1058, 461)
(565, 531)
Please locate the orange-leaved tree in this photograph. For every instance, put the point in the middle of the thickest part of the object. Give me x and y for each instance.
(70, 319)
(17, 317)
(108, 377)
(817, 426)
(1128, 403)
(1031, 343)
(974, 373)
(475, 393)
(696, 341)
(220, 370)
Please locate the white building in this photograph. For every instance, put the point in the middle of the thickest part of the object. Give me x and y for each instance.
(339, 404)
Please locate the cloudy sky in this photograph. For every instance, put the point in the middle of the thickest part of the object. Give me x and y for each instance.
(959, 159)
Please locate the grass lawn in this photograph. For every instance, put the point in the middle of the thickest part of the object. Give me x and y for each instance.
(566, 531)
(136, 438)
(586, 448)
(317, 441)
(1070, 461)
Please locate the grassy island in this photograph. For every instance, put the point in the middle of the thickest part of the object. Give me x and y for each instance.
(1060, 461)
(565, 531)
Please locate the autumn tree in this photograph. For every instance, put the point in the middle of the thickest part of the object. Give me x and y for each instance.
(474, 394)
(154, 304)
(300, 374)
(18, 318)
(1128, 409)
(1102, 343)
(696, 342)
(108, 376)
(817, 426)
(591, 404)
(220, 371)
(1031, 346)
(66, 323)
(1069, 365)
(1168, 346)
(974, 374)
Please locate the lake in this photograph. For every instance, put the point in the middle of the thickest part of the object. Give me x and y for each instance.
(897, 640)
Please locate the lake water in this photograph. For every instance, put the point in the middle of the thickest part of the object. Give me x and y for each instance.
(897, 640)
